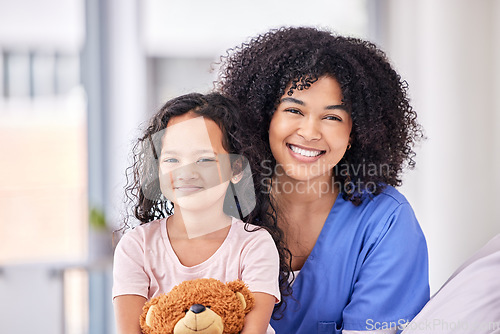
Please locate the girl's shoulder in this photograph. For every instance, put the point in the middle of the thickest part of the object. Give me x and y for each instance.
(248, 231)
(145, 231)
(252, 241)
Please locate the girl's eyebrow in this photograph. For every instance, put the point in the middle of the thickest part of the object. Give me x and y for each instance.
(300, 102)
(175, 152)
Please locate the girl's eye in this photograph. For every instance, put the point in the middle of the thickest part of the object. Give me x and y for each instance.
(333, 118)
(206, 160)
(293, 111)
(170, 160)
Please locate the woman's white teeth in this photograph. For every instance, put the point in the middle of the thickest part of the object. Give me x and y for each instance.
(303, 152)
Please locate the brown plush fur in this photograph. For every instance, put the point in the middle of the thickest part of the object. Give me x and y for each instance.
(220, 297)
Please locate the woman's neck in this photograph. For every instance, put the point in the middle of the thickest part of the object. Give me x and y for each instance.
(312, 193)
(303, 212)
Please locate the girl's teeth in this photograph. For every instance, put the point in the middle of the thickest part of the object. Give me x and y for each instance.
(303, 152)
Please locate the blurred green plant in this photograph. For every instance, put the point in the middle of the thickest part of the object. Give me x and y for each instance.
(97, 219)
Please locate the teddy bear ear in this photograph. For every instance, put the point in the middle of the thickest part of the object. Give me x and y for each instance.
(147, 317)
(241, 298)
(150, 315)
(242, 293)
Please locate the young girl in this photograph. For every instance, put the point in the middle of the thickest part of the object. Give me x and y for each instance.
(334, 122)
(184, 165)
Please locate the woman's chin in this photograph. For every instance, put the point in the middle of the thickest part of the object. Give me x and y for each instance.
(305, 173)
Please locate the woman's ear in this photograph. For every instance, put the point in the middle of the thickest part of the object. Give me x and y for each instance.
(349, 142)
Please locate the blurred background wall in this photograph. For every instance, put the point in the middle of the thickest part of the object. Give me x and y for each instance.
(78, 79)
(449, 52)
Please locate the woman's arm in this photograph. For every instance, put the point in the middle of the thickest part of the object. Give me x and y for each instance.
(128, 309)
(257, 320)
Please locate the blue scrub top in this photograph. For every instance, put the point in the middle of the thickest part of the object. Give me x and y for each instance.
(367, 271)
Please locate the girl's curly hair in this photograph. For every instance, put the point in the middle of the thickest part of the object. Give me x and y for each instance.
(143, 189)
(385, 126)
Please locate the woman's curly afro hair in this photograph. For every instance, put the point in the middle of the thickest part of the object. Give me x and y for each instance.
(385, 127)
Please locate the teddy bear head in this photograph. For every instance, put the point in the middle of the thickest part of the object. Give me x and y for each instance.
(203, 306)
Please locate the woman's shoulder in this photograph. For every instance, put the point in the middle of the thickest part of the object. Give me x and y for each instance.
(390, 210)
(390, 202)
(392, 194)
(388, 198)
(376, 213)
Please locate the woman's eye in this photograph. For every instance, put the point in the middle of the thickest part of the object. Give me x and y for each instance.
(332, 118)
(293, 111)
(170, 160)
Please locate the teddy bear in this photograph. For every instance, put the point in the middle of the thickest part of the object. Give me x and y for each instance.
(204, 306)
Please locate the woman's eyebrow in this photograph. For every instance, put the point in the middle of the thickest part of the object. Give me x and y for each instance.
(292, 100)
(336, 106)
(300, 102)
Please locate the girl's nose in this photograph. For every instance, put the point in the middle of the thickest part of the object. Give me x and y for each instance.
(309, 130)
(186, 172)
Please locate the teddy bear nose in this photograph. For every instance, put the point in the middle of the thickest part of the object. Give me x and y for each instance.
(197, 308)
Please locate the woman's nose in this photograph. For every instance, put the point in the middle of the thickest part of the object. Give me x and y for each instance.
(309, 129)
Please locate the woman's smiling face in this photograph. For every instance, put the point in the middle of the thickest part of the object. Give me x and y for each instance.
(310, 131)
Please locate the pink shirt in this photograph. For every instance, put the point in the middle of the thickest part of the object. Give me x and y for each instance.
(145, 263)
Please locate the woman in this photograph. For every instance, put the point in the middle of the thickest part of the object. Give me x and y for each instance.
(334, 121)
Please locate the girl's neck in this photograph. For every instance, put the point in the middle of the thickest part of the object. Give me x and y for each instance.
(203, 224)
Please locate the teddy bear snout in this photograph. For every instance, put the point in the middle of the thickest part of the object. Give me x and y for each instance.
(197, 308)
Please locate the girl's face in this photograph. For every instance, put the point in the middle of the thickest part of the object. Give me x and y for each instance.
(309, 131)
(194, 167)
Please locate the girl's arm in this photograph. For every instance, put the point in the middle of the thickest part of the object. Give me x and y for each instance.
(257, 320)
(128, 309)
